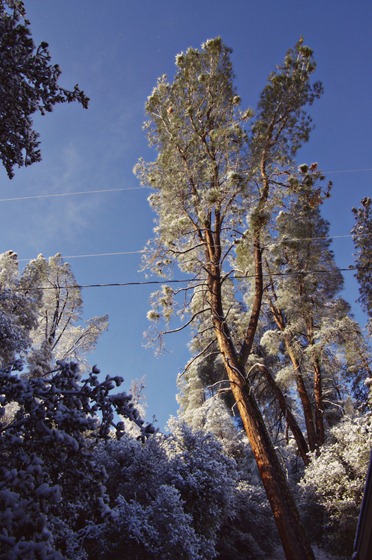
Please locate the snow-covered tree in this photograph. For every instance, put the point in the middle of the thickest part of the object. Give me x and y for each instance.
(50, 484)
(310, 328)
(18, 310)
(203, 378)
(148, 517)
(177, 495)
(333, 485)
(137, 388)
(28, 85)
(362, 235)
(41, 311)
(211, 180)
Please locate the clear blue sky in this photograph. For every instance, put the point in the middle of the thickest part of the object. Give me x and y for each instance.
(116, 50)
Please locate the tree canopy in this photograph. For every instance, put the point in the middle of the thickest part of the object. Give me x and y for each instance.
(28, 85)
(221, 177)
(41, 314)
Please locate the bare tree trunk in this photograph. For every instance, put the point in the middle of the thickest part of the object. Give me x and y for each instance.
(302, 446)
(319, 407)
(291, 531)
(304, 397)
(301, 387)
(257, 301)
(318, 389)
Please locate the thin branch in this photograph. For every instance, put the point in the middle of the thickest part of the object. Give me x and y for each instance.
(188, 365)
(182, 327)
(218, 383)
(179, 252)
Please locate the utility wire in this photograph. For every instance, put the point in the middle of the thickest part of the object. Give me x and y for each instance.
(113, 254)
(56, 195)
(181, 280)
(142, 251)
(96, 191)
(348, 170)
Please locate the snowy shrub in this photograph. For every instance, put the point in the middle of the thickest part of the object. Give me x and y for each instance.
(159, 529)
(205, 477)
(134, 469)
(177, 496)
(147, 517)
(251, 532)
(333, 484)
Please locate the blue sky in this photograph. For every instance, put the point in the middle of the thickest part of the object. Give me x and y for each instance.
(116, 50)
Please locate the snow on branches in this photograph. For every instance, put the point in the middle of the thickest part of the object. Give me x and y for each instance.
(46, 445)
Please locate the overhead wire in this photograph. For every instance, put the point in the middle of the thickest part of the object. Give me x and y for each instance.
(142, 251)
(64, 194)
(120, 253)
(89, 255)
(182, 280)
(348, 170)
(122, 189)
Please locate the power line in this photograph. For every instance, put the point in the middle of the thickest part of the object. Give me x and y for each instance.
(113, 254)
(348, 170)
(103, 254)
(142, 251)
(181, 280)
(122, 189)
(56, 195)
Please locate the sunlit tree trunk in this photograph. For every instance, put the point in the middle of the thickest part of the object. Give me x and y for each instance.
(289, 526)
(248, 344)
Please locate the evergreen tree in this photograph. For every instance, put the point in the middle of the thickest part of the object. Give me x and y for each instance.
(303, 301)
(28, 85)
(179, 495)
(362, 234)
(40, 313)
(333, 485)
(210, 173)
(50, 486)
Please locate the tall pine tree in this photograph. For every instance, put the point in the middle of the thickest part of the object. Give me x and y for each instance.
(209, 175)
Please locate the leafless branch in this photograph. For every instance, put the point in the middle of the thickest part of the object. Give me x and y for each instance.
(179, 252)
(202, 353)
(218, 383)
(182, 327)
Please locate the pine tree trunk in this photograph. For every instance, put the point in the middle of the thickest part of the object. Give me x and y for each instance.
(307, 408)
(302, 446)
(301, 388)
(291, 531)
(257, 300)
(304, 398)
(319, 407)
